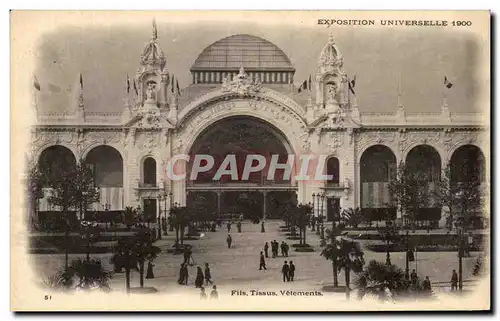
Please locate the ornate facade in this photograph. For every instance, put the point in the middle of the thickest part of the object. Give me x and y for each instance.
(158, 122)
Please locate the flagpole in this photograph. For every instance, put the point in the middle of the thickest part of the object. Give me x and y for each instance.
(400, 86)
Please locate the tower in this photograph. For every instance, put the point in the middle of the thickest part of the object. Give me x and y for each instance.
(153, 78)
(331, 79)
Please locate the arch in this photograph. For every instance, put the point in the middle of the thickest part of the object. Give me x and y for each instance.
(468, 162)
(54, 159)
(241, 136)
(149, 171)
(437, 148)
(377, 167)
(333, 169)
(425, 160)
(276, 98)
(291, 128)
(106, 163)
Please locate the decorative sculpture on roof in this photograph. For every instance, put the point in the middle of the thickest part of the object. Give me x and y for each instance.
(151, 92)
(152, 55)
(241, 84)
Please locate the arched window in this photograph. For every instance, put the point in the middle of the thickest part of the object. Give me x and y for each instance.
(333, 169)
(149, 177)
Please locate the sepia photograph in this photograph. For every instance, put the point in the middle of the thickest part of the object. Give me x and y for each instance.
(250, 160)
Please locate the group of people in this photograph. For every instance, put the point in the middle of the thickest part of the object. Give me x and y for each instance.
(275, 247)
(213, 295)
(200, 276)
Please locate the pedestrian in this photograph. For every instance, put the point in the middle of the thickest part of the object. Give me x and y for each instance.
(413, 278)
(203, 295)
(282, 246)
(228, 227)
(208, 275)
(266, 249)
(181, 274)
(149, 273)
(285, 270)
(214, 294)
(184, 274)
(291, 272)
(274, 248)
(238, 225)
(262, 229)
(262, 262)
(199, 277)
(426, 285)
(287, 247)
(454, 281)
(229, 240)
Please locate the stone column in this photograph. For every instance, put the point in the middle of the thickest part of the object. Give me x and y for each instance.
(264, 207)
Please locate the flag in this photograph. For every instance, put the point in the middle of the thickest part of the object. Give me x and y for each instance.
(135, 89)
(303, 86)
(172, 84)
(81, 81)
(352, 84)
(128, 84)
(178, 89)
(447, 84)
(310, 83)
(36, 84)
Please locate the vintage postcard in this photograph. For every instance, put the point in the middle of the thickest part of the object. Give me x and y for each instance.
(250, 160)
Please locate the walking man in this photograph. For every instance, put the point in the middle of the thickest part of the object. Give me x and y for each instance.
(229, 240)
(282, 248)
(266, 249)
(286, 247)
(454, 281)
(285, 270)
(291, 273)
(228, 227)
(208, 275)
(262, 262)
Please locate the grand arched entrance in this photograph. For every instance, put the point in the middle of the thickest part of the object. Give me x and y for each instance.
(106, 164)
(377, 168)
(230, 141)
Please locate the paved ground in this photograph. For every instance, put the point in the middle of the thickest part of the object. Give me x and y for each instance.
(237, 268)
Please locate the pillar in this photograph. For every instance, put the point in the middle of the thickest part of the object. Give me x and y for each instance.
(218, 204)
(264, 209)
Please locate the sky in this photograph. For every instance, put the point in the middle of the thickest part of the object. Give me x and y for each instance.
(105, 54)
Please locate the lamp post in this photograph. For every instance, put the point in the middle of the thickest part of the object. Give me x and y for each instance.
(106, 209)
(322, 217)
(314, 212)
(159, 216)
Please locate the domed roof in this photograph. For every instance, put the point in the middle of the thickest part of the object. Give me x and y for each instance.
(250, 52)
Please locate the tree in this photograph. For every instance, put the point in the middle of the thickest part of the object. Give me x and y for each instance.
(331, 250)
(74, 188)
(352, 217)
(35, 187)
(130, 216)
(447, 193)
(82, 274)
(90, 234)
(389, 234)
(377, 276)
(350, 258)
(409, 192)
(304, 212)
(125, 257)
(179, 218)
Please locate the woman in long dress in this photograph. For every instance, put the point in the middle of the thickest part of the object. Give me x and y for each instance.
(199, 277)
(150, 274)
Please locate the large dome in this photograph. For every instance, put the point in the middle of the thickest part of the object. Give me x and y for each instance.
(251, 52)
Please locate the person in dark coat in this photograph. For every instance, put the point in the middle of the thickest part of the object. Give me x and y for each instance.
(274, 248)
(149, 273)
(266, 249)
(208, 275)
(426, 285)
(229, 240)
(454, 281)
(199, 277)
(413, 277)
(286, 248)
(282, 246)
(203, 295)
(262, 262)
(291, 272)
(239, 227)
(228, 227)
(183, 275)
(285, 270)
(214, 294)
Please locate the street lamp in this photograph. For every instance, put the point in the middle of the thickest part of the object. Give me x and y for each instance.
(314, 212)
(322, 217)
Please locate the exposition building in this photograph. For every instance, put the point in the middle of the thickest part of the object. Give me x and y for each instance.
(243, 100)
